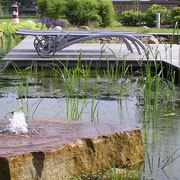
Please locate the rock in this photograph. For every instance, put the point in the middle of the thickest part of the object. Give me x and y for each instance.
(163, 39)
(58, 28)
(29, 21)
(85, 28)
(145, 27)
(63, 149)
(153, 40)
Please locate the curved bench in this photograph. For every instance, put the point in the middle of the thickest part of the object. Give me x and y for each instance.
(47, 42)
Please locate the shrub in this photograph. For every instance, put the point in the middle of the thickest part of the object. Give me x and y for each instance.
(175, 16)
(132, 18)
(176, 19)
(5, 16)
(51, 8)
(51, 23)
(10, 28)
(106, 12)
(81, 12)
(153, 10)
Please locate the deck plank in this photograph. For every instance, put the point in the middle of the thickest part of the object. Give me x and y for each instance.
(24, 52)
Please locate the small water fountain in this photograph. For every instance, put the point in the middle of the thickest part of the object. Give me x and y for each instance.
(18, 123)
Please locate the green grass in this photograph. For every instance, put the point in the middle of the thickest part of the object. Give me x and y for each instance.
(10, 20)
(116, 27)
(128, 28)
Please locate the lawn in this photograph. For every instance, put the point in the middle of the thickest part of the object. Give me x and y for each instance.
(116, 27)
(10, 20)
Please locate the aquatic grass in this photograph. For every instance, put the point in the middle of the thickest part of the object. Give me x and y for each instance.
(147, 88)
(171, 159)
(93, 105)
(115, 175)
(70, 77)
(22, 91)
(32, 70)
(36, 104)
(120, 92)
(156, 91)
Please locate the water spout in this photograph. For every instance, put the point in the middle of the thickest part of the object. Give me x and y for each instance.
(18, 123)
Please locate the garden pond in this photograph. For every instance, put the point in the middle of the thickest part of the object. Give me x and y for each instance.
(88, 95)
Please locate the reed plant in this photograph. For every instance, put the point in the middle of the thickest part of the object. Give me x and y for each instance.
(94, 105)
(22, 90)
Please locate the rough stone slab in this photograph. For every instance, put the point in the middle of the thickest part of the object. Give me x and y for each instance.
(62, 149)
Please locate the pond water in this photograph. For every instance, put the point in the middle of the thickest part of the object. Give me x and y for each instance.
(119, 101)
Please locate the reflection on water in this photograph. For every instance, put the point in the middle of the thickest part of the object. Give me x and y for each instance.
(45, 97)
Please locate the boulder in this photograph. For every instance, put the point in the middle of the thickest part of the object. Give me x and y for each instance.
(29, 21)
(145, 27)
(85, 28)
(58, 28)
(153, 40)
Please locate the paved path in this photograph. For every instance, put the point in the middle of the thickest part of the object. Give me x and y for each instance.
(24, 53)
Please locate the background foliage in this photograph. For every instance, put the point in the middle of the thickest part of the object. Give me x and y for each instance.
(106, 13)
(175, 16)
(133, 18)
(153, 10)
(81, 12)
(51, 8)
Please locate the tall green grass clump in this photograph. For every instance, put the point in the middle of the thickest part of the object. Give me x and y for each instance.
(9, 29)
(22, 90)
(72, 79)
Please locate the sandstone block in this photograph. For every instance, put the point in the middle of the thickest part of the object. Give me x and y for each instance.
(62, 149)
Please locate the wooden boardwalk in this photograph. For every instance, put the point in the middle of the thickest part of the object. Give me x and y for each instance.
(24, 53)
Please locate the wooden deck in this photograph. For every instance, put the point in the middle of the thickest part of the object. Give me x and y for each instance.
(24, 53)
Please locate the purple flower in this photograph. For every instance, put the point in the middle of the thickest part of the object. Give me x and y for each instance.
(51, 23)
